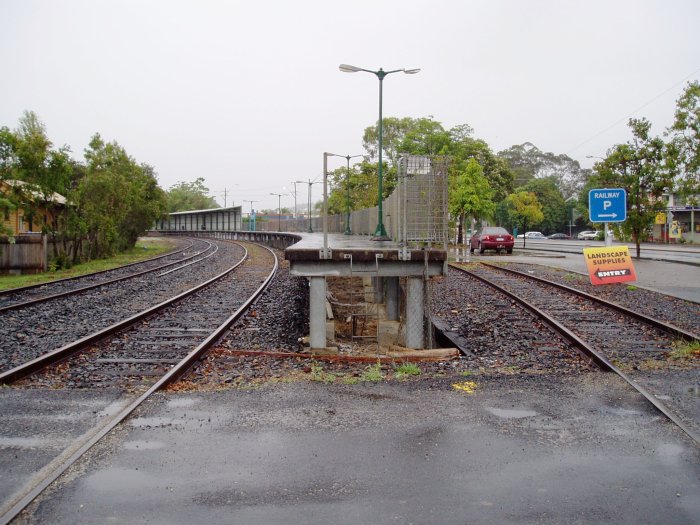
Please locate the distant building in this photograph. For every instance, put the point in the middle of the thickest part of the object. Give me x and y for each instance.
(30, 215)
(215, 219)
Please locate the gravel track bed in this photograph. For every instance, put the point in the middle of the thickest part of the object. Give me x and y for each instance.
(191, 246)
(615, 335)
(500, 334)
(41, 328)
(642, 352)
(139, 356)
(275, 325)
(684, 314)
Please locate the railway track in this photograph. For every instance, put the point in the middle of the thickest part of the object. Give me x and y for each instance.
(144, 353)
(615, 338)
(36, 329)
(18, 298)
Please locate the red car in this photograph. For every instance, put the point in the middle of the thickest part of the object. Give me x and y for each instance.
(491, 238)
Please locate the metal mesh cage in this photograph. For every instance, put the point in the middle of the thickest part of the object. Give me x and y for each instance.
(422, 202)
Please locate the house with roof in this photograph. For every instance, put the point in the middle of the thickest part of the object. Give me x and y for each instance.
(31, 210)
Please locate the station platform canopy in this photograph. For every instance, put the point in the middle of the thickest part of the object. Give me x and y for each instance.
(214, 219)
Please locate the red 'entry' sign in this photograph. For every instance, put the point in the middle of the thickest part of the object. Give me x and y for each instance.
(609, 265)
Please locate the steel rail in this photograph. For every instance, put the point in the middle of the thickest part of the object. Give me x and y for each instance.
(656, 323)
(590, 352)
(171, 376)
(18, 306)
(61, 353)
(76, 277)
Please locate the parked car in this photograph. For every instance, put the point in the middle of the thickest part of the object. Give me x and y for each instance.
(587, 235)
(532, 235)
(558, 236)
(491, 238)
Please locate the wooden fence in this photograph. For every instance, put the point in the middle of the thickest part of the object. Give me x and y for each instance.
(25, 253)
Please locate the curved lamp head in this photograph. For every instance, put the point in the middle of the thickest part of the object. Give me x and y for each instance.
(346, 68)
(411, 71)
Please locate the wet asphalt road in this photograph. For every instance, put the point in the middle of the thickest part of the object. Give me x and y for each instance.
(518, 449)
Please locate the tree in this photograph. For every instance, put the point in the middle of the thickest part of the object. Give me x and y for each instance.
(470, 195)
(639, 167)
(553, 206)
(186, 196)
(522, 207)
(528, 162)
(496, 170)
(117, 199)
(684, 148)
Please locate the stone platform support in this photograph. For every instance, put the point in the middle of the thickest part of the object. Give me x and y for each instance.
(317, 312)
(414, 313)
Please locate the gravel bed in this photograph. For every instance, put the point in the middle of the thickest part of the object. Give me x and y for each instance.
(501, 346)
(142, 354)
(38, 329)
(682, 313)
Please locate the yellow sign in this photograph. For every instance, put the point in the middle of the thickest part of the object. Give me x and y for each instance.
(609, 265)
(674, 231)
(660, 218)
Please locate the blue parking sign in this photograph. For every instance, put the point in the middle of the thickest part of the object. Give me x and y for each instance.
(607, 205)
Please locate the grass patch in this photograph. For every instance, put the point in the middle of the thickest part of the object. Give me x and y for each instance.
(685, 350)
(319, 374)
(570, 277)
(407, 370)
(372, 373)
(145, 248)
(631, 288)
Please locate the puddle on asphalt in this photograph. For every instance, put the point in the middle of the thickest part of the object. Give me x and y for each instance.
(143, 445)
(618, 411)
(117, 480)
(18, 442)
(511, 413)
(111, 409)
(182, 402)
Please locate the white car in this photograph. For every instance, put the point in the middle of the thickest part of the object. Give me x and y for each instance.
(587, 236)
(532, 235)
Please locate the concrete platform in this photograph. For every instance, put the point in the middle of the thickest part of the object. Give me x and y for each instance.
(307, 258)
(318, 256)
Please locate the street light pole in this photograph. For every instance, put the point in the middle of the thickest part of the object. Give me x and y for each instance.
(347, 231)
(279, 210)
(380, 232)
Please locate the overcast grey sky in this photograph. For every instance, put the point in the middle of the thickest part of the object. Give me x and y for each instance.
(248, 95)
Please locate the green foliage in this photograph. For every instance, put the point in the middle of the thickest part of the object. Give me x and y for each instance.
(522, 208)
(528, 162)
(554, 208)
(319, 374)
(406, 370)
(641, 168)
(372, 373)
(116, 200)
(470, 195)
(110, 198)
(186, 196)
(683, 151)
(684, 350)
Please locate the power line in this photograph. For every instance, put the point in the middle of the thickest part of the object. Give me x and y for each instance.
(617, 123)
